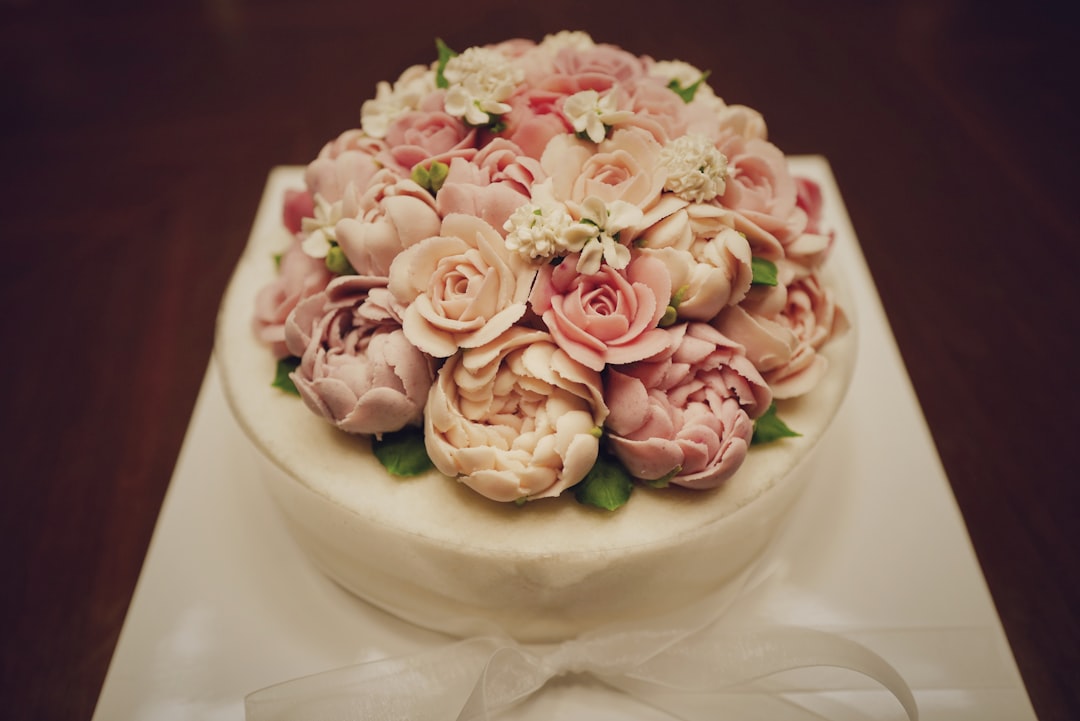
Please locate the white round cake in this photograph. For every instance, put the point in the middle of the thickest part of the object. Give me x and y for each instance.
(437, 550)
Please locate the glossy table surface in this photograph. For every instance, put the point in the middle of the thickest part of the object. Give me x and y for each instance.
(136, 142)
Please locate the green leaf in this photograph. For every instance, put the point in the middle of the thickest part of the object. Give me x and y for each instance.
(445, 53)
(665, 480)
(402, 452)
(336, 262)
(285, 366)
(768, 428)
(607, 485)
(687, 93)
(764, 271)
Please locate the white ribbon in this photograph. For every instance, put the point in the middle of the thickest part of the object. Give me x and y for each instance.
(690, 665)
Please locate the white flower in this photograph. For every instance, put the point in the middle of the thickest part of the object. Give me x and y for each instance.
(685, 75)
(591, 113)
(390, 102)
(574, 39)
(609, 221)
(319, 232)
(696, 170)
(480, 80)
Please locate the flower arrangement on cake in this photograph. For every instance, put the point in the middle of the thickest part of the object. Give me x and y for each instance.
(553, 265)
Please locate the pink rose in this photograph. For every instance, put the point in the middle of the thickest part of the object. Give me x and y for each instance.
(418, 136)
(350, 158)
(624, 167)
(392, 215)
(361, 376)
(534, 119)
(299, 276)
(600, 65)
(607, 317)
(687, 413)
(812, 315)
(497, 181)
(659, 110)
(461, 289)
(515, 418)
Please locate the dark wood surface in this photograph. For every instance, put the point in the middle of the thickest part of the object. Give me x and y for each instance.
(136, 138)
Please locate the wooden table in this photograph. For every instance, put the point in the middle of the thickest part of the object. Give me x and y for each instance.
(136, 141)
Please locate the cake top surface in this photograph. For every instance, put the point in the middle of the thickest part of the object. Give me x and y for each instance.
(543, 268)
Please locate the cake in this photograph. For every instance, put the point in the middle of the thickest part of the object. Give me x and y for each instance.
(562, 332)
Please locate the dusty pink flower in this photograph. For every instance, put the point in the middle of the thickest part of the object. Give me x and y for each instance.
(761, 191)
(299, 276)
(299, 204)
(607, 317)
(351, 158)
(362, 376)
(812, 315)
(534, 119)
(687, 415)
(491, 186)
(516, 418)
(429, 133)
(461, 288)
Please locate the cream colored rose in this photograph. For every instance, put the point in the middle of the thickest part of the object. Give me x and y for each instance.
(461, 289)
(712, 273)
(515, 418)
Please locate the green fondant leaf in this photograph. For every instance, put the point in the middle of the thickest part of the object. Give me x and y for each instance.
(764, 271)
(665, 480)
(285, 366)
(687, 93)
(607, 485)
(768, 428)
(336, 262)
(402, 452)
(445, 53)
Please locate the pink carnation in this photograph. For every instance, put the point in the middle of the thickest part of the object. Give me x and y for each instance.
(299, 276)
(686, 416)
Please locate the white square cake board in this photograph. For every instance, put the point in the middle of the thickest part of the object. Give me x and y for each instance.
(226, 604)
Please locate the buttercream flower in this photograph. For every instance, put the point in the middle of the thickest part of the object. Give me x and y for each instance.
(607, 317)
(461, 288)
(710, 274)
(392, 215)
(591, 113)
(604, 245)
(352, 158)
(761, 190)
(534, 119)
(599, 67)
(319, 230)
(545, 228)
(481, 80)
(299, 204)
(497, 181)
(299, 276)
(419, 136)
(624, 167)
(361, 376)
(656, 108)
(392, 101)
(516, 418)
(696, 170)
(686, 417)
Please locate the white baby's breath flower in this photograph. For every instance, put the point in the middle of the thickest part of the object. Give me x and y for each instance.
(390, 102)
(480, 80)
(544, 231)
(319, 232)
(575, 39)
(696, 170)
(591, 113)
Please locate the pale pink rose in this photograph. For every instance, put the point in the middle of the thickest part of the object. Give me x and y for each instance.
(395, 213)
(491, 186)
(361, 376)
(299, 276)
(688, 413)
(534, 119)
(624, 167)
(516, 418)
(299, 204)
(419, 136)
(600, 64)
(768, 343)
(350, 158)
(607, 317)
(741, 121)
(659, 110)
(710, 274)
(760, 188)
(461, 288)
(808, 197)
(812, 315)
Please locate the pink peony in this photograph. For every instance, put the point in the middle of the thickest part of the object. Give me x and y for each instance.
(299, 276)
(607, 317)
(686, 416)
(497, 181)
(349, 159)
(362, 376)
(516, 418)
(534, 119)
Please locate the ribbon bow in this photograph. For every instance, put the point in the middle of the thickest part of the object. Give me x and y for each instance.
(691, 665)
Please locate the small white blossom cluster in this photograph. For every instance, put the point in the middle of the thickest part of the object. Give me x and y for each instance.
(591, 113)
(481, 79)
(696, 170)
(390, 102)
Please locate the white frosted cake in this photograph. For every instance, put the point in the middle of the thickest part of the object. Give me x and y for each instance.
(578, 305)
